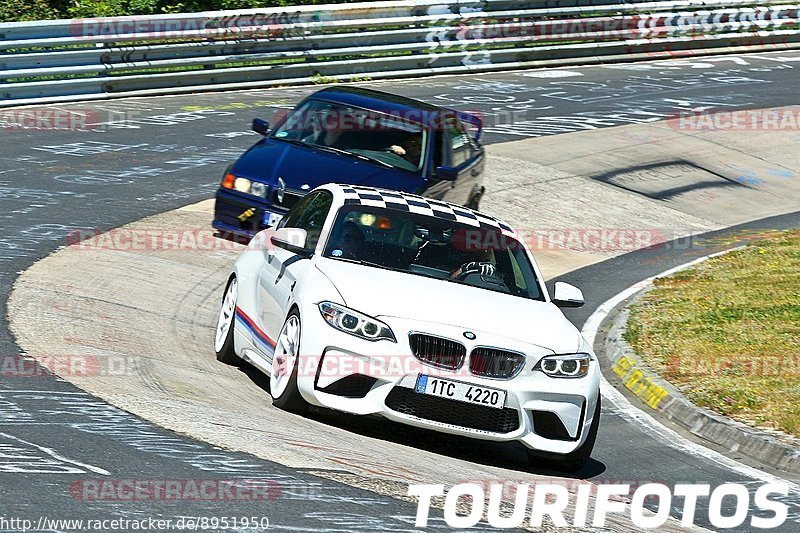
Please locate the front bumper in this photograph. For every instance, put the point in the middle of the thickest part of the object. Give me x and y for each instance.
(363, 377)
(242, 215)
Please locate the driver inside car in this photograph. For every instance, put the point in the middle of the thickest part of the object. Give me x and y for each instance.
(410, 150)
(350, 244)
(481, 264)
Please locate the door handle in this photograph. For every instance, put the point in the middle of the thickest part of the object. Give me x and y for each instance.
(265, 245)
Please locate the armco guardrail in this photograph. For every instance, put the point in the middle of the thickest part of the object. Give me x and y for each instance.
(63, 60)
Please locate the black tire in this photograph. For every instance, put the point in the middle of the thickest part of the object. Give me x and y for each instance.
(574, 461)
(291, 400)
(475, 200)
(227, 354)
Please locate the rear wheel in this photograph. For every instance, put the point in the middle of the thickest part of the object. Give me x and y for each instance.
(572, 462)
(283, 378)
(223, 339)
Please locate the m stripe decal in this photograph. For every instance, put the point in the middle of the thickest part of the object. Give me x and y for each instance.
(254, 329)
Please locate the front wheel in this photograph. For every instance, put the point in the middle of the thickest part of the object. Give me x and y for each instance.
(283, 378)
(475, 200)
(223, 339)
(574, 461)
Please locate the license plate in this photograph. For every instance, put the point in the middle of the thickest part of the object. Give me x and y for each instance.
(271, 219)
(463, 392)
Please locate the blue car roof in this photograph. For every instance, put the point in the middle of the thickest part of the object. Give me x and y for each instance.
(379, 101)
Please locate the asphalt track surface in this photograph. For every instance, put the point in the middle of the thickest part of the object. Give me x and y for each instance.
(142, 156)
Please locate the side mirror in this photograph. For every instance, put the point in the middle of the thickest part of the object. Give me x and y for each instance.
(292, 240)
(567, 295)
(260, 126)
(446, 173)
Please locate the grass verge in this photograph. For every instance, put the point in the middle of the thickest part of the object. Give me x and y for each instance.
(727, 332)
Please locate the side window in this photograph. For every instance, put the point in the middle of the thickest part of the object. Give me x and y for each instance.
(310, 214)
(461, 144)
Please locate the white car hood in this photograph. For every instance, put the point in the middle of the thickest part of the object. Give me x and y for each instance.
(385, 293)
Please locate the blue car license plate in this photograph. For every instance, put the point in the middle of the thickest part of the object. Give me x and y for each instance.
(271, 219)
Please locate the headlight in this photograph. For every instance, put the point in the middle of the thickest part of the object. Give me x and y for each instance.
(355, 323)
(258, 189)
(564, 366)
(244, 185)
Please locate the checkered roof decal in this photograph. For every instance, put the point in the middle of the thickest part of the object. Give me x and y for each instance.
(367, 196)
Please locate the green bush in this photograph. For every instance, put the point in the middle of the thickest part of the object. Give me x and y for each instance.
(17, 10)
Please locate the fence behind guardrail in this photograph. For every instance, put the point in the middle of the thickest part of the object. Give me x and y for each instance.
(63, 60)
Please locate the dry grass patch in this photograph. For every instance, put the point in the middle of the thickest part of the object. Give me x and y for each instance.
(727, 332)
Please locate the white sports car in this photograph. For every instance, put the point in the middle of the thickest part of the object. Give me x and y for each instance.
(372, 301)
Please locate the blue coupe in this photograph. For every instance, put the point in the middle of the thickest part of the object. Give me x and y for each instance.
(356, 136)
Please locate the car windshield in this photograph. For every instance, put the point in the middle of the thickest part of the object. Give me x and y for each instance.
(434, 248)
(383, 139)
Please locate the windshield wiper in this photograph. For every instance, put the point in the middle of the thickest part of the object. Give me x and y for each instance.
(296, 142)
(371, 159)
(366, 263)
(334, 150)
(351, 154)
